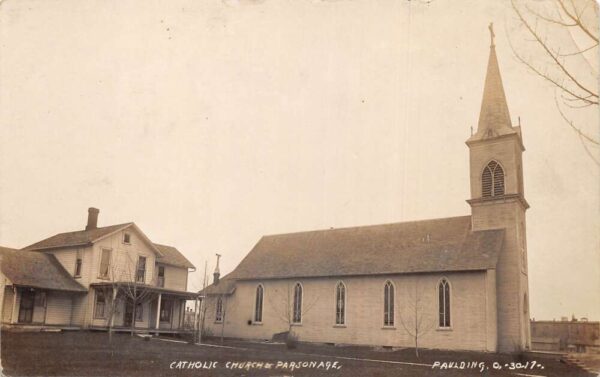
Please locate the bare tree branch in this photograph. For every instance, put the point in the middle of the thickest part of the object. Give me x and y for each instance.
(570, 123)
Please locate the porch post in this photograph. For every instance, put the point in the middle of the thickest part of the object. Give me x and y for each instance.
(14, 307)
(158, 311)
(180, 314)
(2, 289)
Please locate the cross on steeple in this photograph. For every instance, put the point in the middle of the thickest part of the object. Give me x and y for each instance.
(492, 35)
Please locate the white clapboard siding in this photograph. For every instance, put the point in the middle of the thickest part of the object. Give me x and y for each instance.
(58, 308)
(175, 278)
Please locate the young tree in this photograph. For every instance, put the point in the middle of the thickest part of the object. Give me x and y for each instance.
(289, 309)
(133, 288)
(416, 321)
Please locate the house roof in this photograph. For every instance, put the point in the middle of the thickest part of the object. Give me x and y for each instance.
(172, 256)
(165, 254)
(437, 245)
(37, 270)
(77, 238)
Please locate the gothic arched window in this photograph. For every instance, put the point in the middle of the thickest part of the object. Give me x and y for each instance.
(219, 310)
(388, 304)
(258, 305)
(444, 303)
(297, 317)
(492, 180)
(340, 304)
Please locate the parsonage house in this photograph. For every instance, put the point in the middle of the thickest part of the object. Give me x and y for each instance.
(449, 283)
(88, 278)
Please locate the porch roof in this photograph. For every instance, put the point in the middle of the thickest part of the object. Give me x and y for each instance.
(151, 288)
(36, 270)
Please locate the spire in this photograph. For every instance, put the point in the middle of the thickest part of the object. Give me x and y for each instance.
(494, 118)
(217, 273)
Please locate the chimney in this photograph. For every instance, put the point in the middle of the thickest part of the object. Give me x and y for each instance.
(217, 273)
(92, 222)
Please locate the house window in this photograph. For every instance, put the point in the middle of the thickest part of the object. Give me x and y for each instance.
(161, 276)
(100, 305)
(297, 315)
(388, 304)
(127, 238)
(105, 263)
(139, 312)
(492, 180)
(219, 311)
(444, 303)
(340, 304)
(78, 262)
(258, 305)
(140, 276)
(165, 311)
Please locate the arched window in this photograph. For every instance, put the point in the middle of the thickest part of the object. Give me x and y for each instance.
(525, 304)
(258, 305)
(492, 180)
(388, 304)
(297, 317)
(219, 312)
(444, 303)
(340, 304)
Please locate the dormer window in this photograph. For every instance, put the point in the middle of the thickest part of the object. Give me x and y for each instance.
(492, 180)
(127, 238)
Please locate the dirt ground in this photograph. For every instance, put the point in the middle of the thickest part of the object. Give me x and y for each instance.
(90, 354)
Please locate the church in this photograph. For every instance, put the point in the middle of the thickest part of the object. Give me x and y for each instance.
(447, 283)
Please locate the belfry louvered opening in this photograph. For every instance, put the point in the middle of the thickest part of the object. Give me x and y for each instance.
(492, 180)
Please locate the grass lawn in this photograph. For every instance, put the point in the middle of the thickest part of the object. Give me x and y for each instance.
(90, 354)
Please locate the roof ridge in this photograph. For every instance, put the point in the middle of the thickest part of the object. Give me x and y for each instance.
(364, 226)
(97, 228)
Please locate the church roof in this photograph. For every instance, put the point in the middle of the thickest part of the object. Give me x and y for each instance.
(437, 245)
(37, 270)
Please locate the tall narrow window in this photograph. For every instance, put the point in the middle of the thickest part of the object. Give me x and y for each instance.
(492, 180)
(78, 262)
(388, 304)
(104, 263)
(140, 276)
(100, 304)
(297, 315)
(219, 311)
(340, 304)
(258, 305)
(161, 276)
(444, 303)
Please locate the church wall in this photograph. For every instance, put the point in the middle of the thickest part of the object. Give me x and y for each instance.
(511, 322)
(470, 298)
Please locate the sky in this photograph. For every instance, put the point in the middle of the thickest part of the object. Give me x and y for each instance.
(212, 123)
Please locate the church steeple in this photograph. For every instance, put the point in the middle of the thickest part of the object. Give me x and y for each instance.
(494, 118)
(498, 202)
